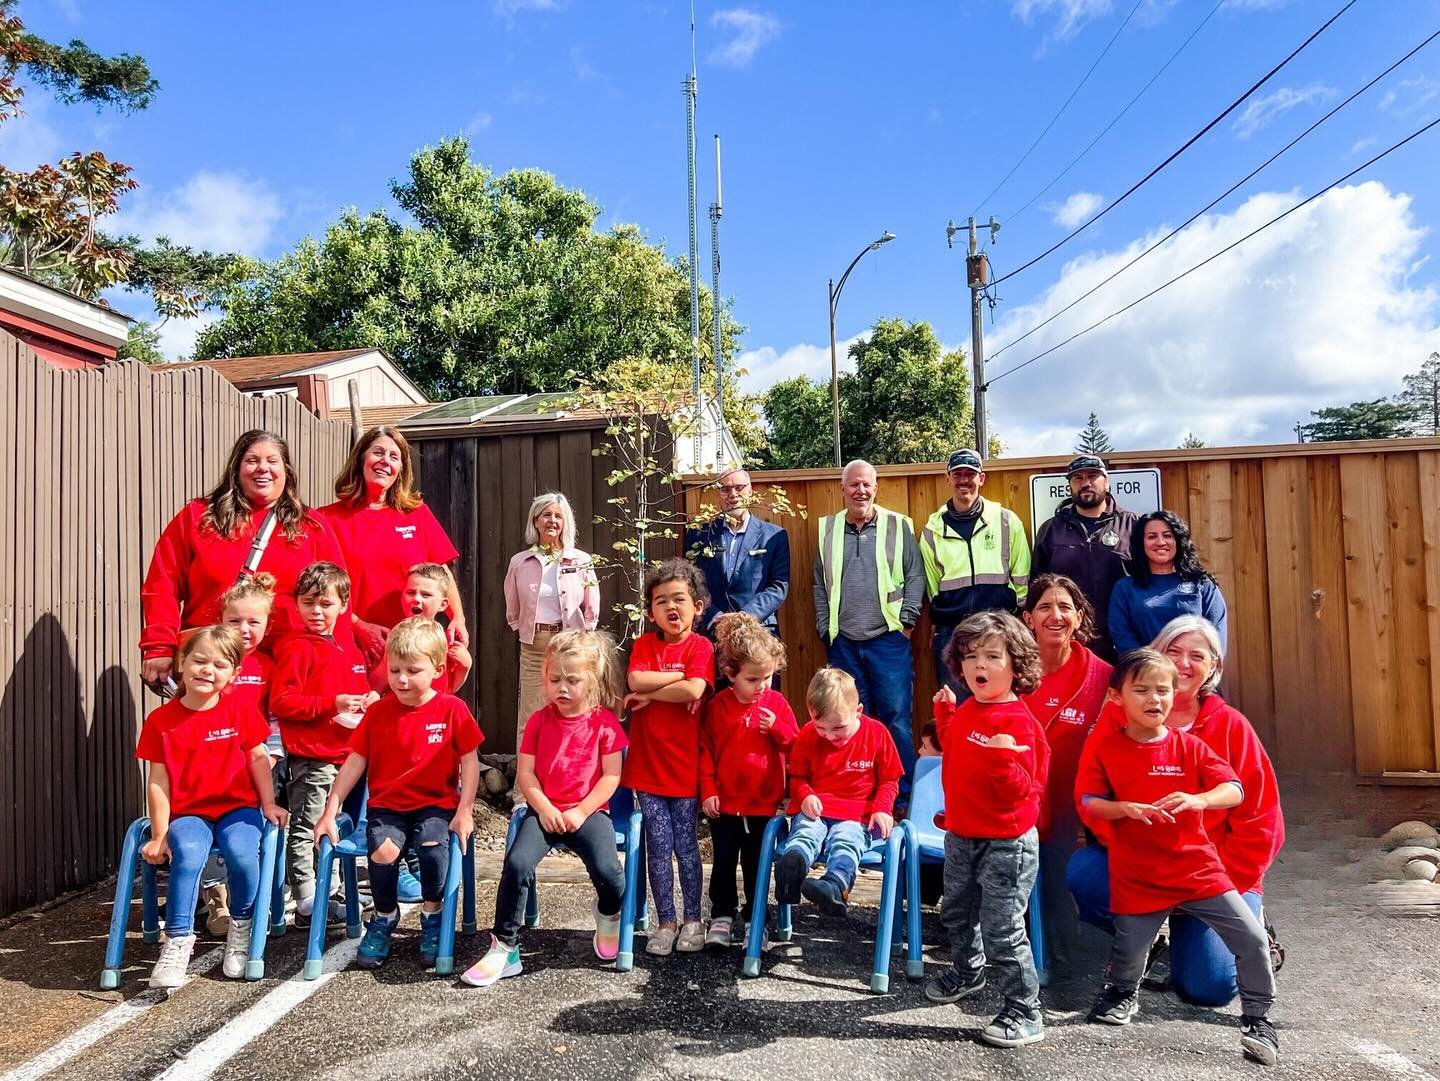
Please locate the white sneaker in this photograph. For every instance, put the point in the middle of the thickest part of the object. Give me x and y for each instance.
(661, 942)
(237, 948)
(721, 932)
(169, 971)
(499, 962)
(692, 937)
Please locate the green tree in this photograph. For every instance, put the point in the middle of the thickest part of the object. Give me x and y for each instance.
(143, 345)
(1093, 439)
(797, 413)
(1378, 419)
(1422, 397)
(1191, 442)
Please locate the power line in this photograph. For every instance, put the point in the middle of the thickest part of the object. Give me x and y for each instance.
(1213, 202)
(1186, 146)
(1228, 248)
(1010, 219)
(1059, 112)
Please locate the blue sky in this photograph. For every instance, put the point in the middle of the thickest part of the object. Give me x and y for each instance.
(840, 120)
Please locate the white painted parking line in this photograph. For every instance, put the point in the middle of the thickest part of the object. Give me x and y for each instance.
(115, 1018)
(206, 1057)
(1391, 1061)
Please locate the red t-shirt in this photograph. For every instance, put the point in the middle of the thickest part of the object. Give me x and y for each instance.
(991, 792)
(206, 753)
(193, 566)
(664, 757)
(412, 753)
(569, 751)
(1067, 704)
(742, 765)
(382, 545)
(854, 780)
(252, 683)
(311, 670)
(1156, 866)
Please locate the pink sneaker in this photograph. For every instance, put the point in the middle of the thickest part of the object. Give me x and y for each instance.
(499, 961)
(607, 935)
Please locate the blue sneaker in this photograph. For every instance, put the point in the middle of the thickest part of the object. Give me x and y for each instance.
(429, 937)
(375, 946)
(409, 889)
(830, 893)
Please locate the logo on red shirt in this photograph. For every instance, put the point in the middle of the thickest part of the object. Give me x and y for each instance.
(1070, 715)
(1161, 769)
(215, 735)
(407, 532)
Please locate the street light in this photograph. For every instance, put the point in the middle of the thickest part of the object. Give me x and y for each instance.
(885, 238)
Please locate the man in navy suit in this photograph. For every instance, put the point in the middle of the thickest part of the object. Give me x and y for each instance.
(746, 562)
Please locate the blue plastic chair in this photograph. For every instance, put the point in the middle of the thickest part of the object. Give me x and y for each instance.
(888, 856)
(630, 840)
(269, 904)
(927, 845)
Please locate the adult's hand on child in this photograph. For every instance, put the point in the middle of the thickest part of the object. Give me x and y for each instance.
(710, 806)
(551, 820)
(156, 850)
(882, 823)
(370, 637)
(574, 819)
(458, 633)
(811, 806)
(155, 670)
(1146, 812)
(1181, 801)
(326, 828)
(273, 812)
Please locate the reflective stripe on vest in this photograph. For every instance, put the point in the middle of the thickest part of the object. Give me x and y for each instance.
(889, 558)
(938, 543)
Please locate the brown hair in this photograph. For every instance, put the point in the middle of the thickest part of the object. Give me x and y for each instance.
(676, 570)
(417, 637)
(1139, 663)
(1042, 584)
(350, 484)
(743, 640)
(227, 510)
(830, 691)
(251, 587)
(596, 651)
(226, 640)
(435, 572)
(318, 577)
(1024, 653)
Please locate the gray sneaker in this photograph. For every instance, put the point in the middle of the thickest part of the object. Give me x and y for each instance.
(237, 948)
(169, 971)
(1008, 1030)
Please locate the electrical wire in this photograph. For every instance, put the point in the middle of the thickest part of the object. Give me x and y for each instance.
(1060, 111)
(1184, 147)
(1010, 219)
(1205, 262)
(1213, 202)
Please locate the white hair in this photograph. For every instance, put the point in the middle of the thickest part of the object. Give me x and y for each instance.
(858, 463)
(540, 502)
(1190, 624)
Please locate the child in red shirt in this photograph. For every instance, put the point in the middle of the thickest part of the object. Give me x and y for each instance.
(426, 593)
(844, 776)
(747, 730)
(1153, 786)
(209, 784)
(567, 770)
(320, 691)
(419, 747)
(670, 672)
(994, 762)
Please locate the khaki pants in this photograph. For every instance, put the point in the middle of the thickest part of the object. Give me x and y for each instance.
(306, 791)
(532, 680)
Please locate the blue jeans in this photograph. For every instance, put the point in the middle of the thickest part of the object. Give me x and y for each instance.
(237, 835)
(838, 843)
(885, 675)
(1202, 968)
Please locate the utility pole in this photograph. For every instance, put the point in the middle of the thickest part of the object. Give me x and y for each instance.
(716, 310)
(977, 277)
(692, 88)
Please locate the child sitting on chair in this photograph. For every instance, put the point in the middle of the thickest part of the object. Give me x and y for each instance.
(844, 776)
(993, 769)
(419, 747)
(567, 770)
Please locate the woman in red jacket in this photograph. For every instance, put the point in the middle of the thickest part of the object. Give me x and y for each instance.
(385, 528)
(1066, 704)
(203, 549)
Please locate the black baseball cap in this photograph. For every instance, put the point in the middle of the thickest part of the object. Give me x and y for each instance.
(1083, 462)
(964, 459)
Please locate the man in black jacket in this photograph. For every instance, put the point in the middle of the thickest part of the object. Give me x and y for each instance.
(1088, 540)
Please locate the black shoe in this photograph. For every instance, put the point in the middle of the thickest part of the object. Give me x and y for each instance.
(828, 893)
(1157, 966)
(1259, 1040)
(1115, 1006)
(790, 872)
(1277, 951)
(952, 985)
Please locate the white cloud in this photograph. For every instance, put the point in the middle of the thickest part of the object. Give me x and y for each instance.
(1076, 209)
(1315, 311)
(510, 8)
(523, 94)
(30, 139)
(767, 365)
(1260, 111)
(177, 336)
(1363, 144)
(219, 211)
(478, 123)
(750, 32)
(1069, 15)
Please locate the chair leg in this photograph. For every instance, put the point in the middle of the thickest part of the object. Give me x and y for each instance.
(260, 927)
(890, 872)
(755, 933)
(319, 913)
(914, 951)
(642, 906)
(445, 958)
(532, 903)
(135, 836)
(467, 885)
(278, 926)
(1036, 921)
(350, 871)
(634, 842)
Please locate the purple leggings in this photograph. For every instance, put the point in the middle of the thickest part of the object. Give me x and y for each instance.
(670, 831)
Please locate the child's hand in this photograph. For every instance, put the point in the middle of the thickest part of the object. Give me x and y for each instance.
(1146, 812)
(368, 699)
(696, 706)
(459, 655)
(1181, 801)
(882, 823)
(764, 719)
(463, 825)
(710, 807)
(156, 850)
(551, 820)
(811, 806)
(350, 703)
(574, 818)
(326, 828)
(945, 695)
(636, 701)
(1005, 740)
(273, 812)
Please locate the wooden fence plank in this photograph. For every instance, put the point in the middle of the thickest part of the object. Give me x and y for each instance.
(1334, 726)
(1428, 465)
(1410, 743)
(1249, 599)
(1292, 653)
(1368, 587)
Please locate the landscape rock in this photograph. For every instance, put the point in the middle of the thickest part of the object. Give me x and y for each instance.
(1393, 862)
(1411, 833)
(1421, 869)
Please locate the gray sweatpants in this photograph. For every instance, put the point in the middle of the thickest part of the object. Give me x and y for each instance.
(1229, 917)
(307, 790)
(987, 889)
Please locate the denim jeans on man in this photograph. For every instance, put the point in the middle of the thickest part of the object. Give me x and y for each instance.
(237, 835)
(885, 676)
(837, 842)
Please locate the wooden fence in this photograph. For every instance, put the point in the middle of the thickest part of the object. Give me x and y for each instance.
(1329, 558)
(95, 464)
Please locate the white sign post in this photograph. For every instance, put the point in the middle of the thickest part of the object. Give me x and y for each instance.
(1133, 489)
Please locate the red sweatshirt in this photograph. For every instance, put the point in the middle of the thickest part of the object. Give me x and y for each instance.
(742, 765)
(193, 566)
(854, 780)
(310, 671)
(382, 545)
(1067, 704)
(991, 792)
(252, 682)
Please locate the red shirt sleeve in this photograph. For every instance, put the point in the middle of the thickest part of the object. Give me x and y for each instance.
(1253, 832)
(254, 729)
(612, 735)
(1213, 770)
(888, 772)
(784, 731)
(166, 586)
(359, 741)
(708, 753)
(530, 741)
(290, 699)
(700, 660)
(467, 734)
(151, 748)
(643, 654)
(438, 547)
(802, 771)
(326, 543)
(1090, 778)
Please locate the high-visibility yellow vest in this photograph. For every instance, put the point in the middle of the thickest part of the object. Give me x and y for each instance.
(890, 530)
(985, 560)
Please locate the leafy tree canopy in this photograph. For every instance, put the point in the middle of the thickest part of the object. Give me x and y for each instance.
(1422, 397)
(1093, 439)
(1378, 419)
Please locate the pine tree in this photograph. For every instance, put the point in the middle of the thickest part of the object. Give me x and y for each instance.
(1422, 396)
(1094, 439)
(1191, 442)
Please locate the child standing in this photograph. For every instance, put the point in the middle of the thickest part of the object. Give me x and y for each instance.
(1152, 786)
(426, 593)
(567, 770)
(747, 730)
(670, 671)
(993, 770)
(420, 749)
(844, 777)
(321, 685)
(209, 784)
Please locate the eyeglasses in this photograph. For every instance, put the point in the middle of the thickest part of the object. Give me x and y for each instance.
(734, 489)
